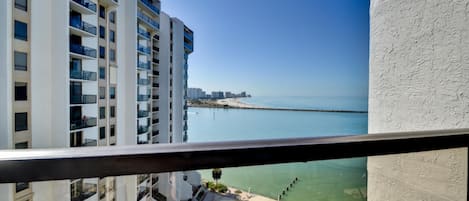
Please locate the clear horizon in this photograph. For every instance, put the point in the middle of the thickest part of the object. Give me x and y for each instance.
(274, 48)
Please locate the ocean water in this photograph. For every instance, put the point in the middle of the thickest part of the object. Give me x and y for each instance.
(330, 180)
(308, 102)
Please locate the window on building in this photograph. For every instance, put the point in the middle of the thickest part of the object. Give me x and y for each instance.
(112, 17)
(21, 4)
(21, 145)
(21, 91)
(21, 121)
(113, 111)
(21, 30)
(102, 73)
(113, 130)
(112, 55)
(102, 112)
(102, 92)
(112, 35)
(102, 52)
(112, 92)
(21, 61)
(102, 133)
(102, 32)
(102, 12)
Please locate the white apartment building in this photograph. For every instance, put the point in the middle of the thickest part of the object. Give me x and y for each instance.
(80, 73)
(195, 93)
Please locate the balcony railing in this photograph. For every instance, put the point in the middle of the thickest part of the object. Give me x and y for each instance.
(157, 61)
(157, 49)
(148, 20)
(142, 114)
(189, 36)
(83, 50)
(143, 81)
(87, 4)
(83, 123)
(83, 75)
(83, 99)
(143, 97)
(144, 33)
(142, 129)
(143, 49)
(84, 26)
(188, 47)
(151, 6)
(144, 65)
(23, 165)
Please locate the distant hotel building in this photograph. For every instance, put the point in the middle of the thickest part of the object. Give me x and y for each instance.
(196, 93)
(78, 73)
(217, 95)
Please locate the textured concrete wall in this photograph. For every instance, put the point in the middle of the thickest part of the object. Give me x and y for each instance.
(419, 80)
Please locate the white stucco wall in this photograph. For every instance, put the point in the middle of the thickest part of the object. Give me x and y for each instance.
(419, 80)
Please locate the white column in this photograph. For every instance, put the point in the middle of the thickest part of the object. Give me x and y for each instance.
(419, 80)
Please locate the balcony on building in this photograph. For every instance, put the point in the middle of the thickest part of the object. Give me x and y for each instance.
(188, 34)
(143, 97)
(109, 3)
(144, 34)
(81, 28)
(82, 99)
(144, 65)
(83, 6)
(143, 49)
(142, 114)
(156, 49)
(84, 122)
(82, 52)
(142, 129)
(143, 81)
(151, 5)
(142, 17)
(83, 75)
(188, 47)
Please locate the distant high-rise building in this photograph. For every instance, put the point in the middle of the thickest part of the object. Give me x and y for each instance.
(218, 94)
(78, 73)
(196, 93)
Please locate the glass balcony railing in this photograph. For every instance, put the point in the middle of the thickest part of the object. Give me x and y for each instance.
(143, 81)
(143, 49)
(83, 99)
(85, 122)
(148, 20)
(87, 4)
(189, 36)
(143, 97)
(144, 65)
(143, 33)
(142, 114)
(188, 47)
(83, 75)
(149, 5)
(142, 129)
(84, 26)
(83, 50)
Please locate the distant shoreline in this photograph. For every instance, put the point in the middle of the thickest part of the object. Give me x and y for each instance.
(235, 103)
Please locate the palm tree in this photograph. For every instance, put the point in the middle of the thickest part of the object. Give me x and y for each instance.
(216, 174)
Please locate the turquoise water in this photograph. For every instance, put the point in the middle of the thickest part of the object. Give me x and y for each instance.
(330, 180)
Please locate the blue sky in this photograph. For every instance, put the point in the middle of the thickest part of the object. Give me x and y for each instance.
(277, 48)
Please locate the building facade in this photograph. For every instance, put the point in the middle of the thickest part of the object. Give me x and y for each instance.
(94, 73)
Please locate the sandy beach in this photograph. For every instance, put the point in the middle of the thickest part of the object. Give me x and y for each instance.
(236, 102)
(231, 195)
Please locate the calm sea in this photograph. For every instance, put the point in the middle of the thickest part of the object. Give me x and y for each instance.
(323, 180)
